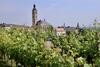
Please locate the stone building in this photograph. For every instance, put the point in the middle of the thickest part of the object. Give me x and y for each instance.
(34, 16)
(60, 31)
(42, 24)
(63, 30)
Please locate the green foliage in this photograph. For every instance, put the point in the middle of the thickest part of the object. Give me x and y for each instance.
(26, 46)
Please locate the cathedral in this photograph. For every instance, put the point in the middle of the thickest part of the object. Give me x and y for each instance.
(43, 24)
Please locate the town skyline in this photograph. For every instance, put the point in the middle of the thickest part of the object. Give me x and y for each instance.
(55, 12)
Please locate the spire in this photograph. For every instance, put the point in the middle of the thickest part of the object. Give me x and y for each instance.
(44, 19)
(95, 20)
(34, 7)
(64, 25)
(34, 15)
(78, 25)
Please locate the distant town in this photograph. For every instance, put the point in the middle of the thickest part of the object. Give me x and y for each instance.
(43, 24)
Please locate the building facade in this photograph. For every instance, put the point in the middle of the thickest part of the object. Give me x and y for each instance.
(34, 16)
(42, 24)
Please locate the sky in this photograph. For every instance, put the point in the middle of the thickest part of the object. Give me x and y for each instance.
(55, 12)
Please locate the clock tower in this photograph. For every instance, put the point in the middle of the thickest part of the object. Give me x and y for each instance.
(34, 15)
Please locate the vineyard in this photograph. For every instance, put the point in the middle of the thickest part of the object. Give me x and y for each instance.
(26, 48)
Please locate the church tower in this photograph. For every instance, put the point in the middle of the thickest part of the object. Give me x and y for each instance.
(34, 15)
(78, 25)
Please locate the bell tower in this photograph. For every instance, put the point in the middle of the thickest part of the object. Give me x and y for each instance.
(78, 25)
(34, 15)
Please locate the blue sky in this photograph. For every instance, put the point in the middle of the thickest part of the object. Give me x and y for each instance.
(56, 12)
